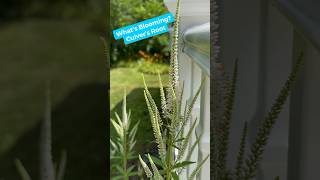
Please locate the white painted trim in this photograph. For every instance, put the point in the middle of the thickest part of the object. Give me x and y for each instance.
(190, 7)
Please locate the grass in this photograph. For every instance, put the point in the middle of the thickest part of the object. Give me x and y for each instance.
(146, 67)
(130, 78)
(153, 68)
(33, 51)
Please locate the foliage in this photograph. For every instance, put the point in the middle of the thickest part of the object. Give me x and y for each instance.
(168, 128)
(247, 164)
(169, 123)
(139, 10)
(122, 146)
(127, 77)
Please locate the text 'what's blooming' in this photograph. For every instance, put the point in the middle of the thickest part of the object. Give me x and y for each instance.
(144, 29)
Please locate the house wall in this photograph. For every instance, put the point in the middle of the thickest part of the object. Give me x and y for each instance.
(304, 146)
(267, 39)
(257, 34)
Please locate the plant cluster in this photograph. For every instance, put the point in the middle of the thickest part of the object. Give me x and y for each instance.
(169, 123)
(122, 146)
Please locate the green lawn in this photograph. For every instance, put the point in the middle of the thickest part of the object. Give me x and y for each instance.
(130, 79)
(68, 54)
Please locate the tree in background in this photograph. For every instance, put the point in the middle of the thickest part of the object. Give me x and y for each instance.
(155, 47)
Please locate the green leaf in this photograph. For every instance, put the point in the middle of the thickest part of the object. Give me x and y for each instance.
(22, 170)
(185, 142)
(119, 168)
(182, 164)
(189, 107)
(174, 176)
(193, 147)
(178, 140)
(157, 161)
(173, 145)
(198, 168)
(116, 157)
(118, 128)
(117, 178)
(145, 167)
(134, 173)
(156, 173)
(130, 169)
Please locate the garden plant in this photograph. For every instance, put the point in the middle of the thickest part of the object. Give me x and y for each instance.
(122, 146)
(169, 123)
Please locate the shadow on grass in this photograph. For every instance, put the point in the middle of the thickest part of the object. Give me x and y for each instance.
(79, 126)
(139, 112)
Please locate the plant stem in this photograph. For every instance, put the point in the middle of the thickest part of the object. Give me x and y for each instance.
(169, 157)
(125, 155)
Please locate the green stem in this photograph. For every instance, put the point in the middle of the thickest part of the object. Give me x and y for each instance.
(169, 157)
(125, 159)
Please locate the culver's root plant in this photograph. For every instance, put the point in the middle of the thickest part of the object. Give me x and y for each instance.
(169, 123)
(122, 146)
